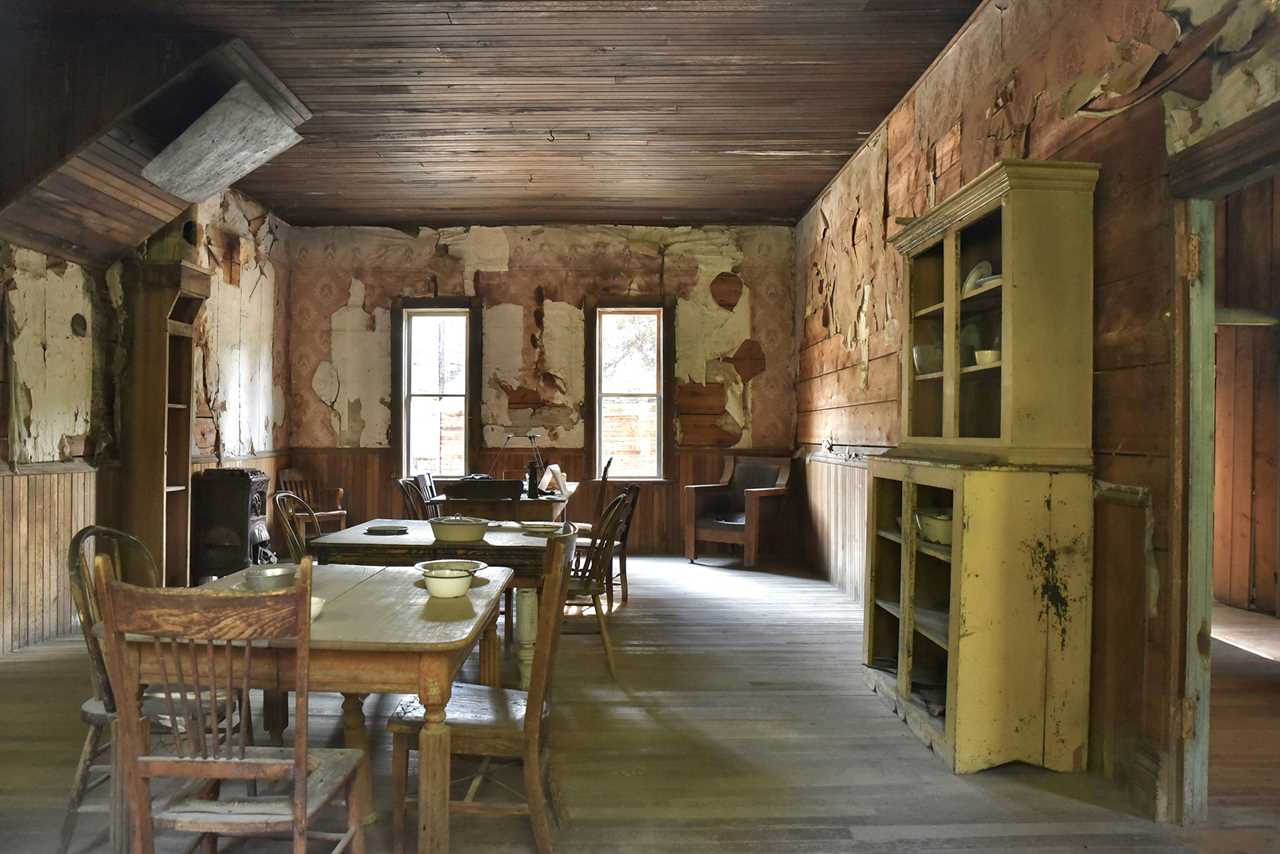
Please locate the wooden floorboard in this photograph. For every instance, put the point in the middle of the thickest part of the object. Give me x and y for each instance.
(740, 723)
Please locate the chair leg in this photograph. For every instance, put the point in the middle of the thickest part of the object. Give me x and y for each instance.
(538, 817)
(399, 788)
(355, 815)
(622, 574)
(509, 615)
(79, 782)
(208, 844)
(604, 633)
(750, 550)
(608, 588)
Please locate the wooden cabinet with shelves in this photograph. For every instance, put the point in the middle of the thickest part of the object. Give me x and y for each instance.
(998, 352)
(153, 487)
(981, 644)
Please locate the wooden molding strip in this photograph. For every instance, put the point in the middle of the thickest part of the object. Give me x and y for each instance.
(1230, 159)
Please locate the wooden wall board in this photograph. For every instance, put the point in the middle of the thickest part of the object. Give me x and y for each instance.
(368, 475)
(41, 513)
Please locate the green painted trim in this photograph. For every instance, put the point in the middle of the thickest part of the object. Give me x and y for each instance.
(1199, 590)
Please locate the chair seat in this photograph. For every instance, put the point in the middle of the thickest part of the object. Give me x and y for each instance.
(483, 721)
(328, 771)
(725, 521)
(94, 711)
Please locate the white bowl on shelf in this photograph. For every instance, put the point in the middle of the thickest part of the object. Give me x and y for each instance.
(985, 358)
(934, 526)
(459, 529)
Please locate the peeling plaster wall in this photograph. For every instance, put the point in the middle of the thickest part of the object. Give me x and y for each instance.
(241, 376)
(1118, 82)
(49, 354)
(533, 284)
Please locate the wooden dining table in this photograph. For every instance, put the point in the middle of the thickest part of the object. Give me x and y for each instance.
(504, 544)
(380, 632)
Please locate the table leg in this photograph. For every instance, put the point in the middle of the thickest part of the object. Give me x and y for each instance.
(490, 657)
(433, 782)
(526, 631)
(356, 735)
(275, 715)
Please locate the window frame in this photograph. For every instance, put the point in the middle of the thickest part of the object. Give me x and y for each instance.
(666, 394)
(402, 310)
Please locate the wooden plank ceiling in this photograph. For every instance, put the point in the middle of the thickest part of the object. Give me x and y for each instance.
(638, 112)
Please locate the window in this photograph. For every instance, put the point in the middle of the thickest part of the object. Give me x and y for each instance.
(629, 368)
(435, 386)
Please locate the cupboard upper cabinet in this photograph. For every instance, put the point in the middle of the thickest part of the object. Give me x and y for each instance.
(998, 351)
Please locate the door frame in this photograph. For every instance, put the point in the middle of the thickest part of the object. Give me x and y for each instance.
(1227, 161)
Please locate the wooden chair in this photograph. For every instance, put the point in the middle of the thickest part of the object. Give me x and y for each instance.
(415, 503)
(106, 548)
(602, 494)
(427, 486)
(327, 501)
(203, 639)
(733, 510)
(497, 722)
(294, 515)
(620, 547)
(593, 571)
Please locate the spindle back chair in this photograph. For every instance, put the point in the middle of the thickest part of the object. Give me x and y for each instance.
(197, 641)
(292, 510)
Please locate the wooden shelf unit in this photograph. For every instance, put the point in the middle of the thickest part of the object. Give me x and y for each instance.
(1033, 222)
(153, 489)
(989, 636)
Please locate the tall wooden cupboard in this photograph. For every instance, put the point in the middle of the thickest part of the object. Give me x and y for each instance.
(980, 524)
(152, 496)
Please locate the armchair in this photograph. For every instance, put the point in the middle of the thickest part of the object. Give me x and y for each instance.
(330, 513)
(732, 511)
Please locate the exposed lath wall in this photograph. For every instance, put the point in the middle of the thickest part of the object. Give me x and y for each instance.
(533, 283)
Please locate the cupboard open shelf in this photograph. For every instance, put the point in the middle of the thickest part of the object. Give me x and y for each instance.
(1004, 266)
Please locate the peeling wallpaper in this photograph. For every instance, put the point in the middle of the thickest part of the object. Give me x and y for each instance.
(533, 283)
(49, 356)
(241, 375)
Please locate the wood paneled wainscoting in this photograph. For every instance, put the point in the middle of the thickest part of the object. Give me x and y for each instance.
(834, 497)
(39, 512)
(368, 476)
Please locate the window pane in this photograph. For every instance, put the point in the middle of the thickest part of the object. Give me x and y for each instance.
(628, 353)
(437, 436)
(629, 434)
(438, 354)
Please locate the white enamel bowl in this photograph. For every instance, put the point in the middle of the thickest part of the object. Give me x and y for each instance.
(449, 579)
(935, 527)
(459, 529)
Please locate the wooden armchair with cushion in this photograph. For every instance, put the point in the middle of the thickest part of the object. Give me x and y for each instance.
(751, 489)
(325, 501)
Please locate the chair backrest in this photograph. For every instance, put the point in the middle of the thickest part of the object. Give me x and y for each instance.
(557, 565)
(288, 508)
(296, 481)
(427, 486)
(602, 489)
(632, 493)
(415, 503)
(757, 473)
(104, 548)
(594, 566)
(201, 647)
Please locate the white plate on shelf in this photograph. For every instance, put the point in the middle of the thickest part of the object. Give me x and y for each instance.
(979, 271)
